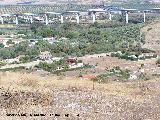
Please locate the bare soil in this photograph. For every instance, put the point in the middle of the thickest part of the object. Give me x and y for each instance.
(105, 62)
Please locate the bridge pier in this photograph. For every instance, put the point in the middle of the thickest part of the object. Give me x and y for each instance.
(31, 19)
(144, 15)
(126, 17)
(94, 17)
(46, 19)
(17, 20)
(110, 16)
(2, 20)
(77, 17)
(62, 19)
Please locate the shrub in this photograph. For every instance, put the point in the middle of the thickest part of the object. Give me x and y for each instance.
(158, 62)
(25, 59)
(102, 78)
(2, 63)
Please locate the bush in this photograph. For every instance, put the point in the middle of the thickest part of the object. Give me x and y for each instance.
(2, 63)
(87, 66)
(102, 78)
(79, 61)
(158, 62)
(24, 59)
(1, 45)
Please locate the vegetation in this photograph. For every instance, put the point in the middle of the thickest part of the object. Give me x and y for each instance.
(116, 72)
(133, 56)
(2, 63)
(47, 67)
(158, 62)
(81, 39)
(51, 67)
(1, 45)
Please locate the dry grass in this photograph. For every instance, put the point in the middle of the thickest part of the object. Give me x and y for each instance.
(152, 36)
(53, 93)
(30, 82)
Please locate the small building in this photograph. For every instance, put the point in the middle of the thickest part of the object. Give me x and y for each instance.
(46, 55)
(51, 40)
(70, 60)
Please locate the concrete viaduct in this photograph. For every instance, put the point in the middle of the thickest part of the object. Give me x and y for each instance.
(92, 12)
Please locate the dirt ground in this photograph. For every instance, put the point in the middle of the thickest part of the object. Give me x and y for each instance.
(34, 94)
(105, 62)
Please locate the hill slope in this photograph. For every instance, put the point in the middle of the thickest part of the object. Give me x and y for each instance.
(31, 93)
(152, 36)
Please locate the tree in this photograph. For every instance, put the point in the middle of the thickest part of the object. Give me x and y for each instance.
(66, 67)
(47, 67)
(21, 47)
(10, 42)
(1, 45)
(32, 53)
(35, 27)
(5, 54)
(46, 32)
(43, 45)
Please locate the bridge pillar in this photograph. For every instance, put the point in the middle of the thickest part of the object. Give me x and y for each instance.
(144, 15)
(46, 19)
(77, 17)
(110, 16)
(2, 20)
(94, 17)
(62, 20)
(16, 20)
(31, 19)
(126, 17)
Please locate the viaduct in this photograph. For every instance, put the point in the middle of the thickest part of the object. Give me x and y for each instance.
(90, 12)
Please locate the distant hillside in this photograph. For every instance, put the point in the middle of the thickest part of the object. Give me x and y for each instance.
(46, 1)
(75, 1)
